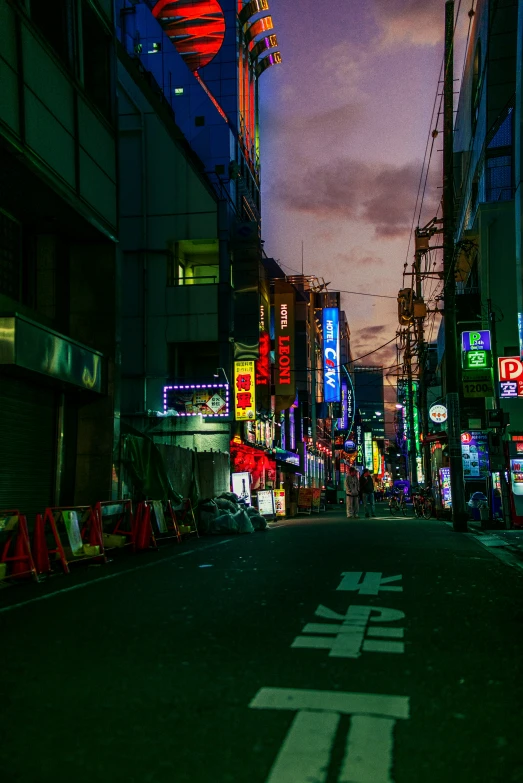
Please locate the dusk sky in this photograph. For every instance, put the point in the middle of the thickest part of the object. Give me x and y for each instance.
(344, 126)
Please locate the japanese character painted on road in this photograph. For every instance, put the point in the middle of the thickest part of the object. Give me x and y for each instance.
(345, 638)
(371, 584)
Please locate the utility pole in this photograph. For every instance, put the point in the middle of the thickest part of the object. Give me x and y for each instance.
(459, 515)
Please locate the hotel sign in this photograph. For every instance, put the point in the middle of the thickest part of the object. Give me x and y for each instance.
(331, 354)
(284, 382)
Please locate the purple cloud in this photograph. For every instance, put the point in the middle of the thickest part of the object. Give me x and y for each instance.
(382, 195)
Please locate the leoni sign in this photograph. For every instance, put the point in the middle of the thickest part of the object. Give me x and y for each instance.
(284, 339)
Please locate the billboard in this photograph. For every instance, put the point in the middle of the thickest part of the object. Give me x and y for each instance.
(244, 391)
(331, 355)
(211, 400)
(284, 381)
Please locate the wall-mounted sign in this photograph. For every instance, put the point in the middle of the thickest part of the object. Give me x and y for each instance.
(263, 364)
(476, 341)
(284, 383)
(241, 486)
(244, 391)
(331, 354)
(478, 383)
(343, 421)
(349, 446)
(210, 400)
(376, 462)
(510, 371)
(438, 413)
(477, 360)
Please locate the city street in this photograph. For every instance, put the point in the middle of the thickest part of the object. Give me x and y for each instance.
(322, 651)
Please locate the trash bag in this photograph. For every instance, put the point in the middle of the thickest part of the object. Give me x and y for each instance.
(226, 505)
(223, 524)
(252, 512)
(244, 523)
(258, 522)
(229, 496)
(207, 513)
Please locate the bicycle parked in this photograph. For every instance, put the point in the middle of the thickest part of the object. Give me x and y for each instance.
(398, 502)
(422, 503)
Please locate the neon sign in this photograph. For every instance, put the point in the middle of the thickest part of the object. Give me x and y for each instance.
(244, 391)
(331, 353)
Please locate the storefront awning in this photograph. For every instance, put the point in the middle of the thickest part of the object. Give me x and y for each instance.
(28, 345)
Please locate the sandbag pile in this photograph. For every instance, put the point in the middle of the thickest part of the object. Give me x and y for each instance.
(225, 515)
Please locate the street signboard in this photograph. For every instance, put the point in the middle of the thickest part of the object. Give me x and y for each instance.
(476, 341)
(478, 383)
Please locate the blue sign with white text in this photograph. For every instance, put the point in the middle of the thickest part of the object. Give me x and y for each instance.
(331, 355)
(476, 341)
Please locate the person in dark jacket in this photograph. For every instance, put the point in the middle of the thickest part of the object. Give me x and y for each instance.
(367, 493)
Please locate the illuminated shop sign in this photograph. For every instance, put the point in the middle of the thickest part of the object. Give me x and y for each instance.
(438, 413)
(252, 8)
(359, 444)
(210, 400)
(343, 422)
(474, 451)
(331, 354)
(475, 341)
(510, 371)
(244, 391)
(368, 450)
(241, 486)
(196, 29)
(376, 462)
(284, 383)
(477, 360)
(263, 364)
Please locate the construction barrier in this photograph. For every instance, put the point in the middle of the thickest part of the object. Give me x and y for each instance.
(16, 560)
(155, 521)
(186, 519)
(116, 520)
(70, 533)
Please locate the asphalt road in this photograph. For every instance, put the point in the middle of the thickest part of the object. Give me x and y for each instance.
(278, 657)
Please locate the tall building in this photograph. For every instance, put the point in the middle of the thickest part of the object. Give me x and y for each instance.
(59, 265)
(369, 393)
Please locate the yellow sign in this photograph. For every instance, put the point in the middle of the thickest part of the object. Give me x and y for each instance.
(244, 394)
(376, 458)
(279, 501)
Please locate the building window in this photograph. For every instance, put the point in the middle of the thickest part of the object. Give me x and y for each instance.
(54, 20)
(97, 60)
(193, 262)
(499, 178)
(498, 165)
(10, 257)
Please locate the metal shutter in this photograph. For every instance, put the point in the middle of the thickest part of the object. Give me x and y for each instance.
(27, 446)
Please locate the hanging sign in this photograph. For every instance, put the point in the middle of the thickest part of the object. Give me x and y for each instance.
(476, 341)
(244, 391)
(331, 354)
(510, 370)
(438, 413)
(284, 382)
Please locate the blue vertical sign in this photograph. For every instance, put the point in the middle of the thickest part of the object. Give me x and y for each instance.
(331, 354)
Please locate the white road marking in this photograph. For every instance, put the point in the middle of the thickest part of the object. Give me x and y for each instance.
(346, 637)
(305, 753)
(369, 753)
(372, 582)
(111, 576)
(332, 701)
(306, 750)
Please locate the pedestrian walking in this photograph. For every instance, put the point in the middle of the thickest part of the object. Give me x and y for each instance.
(367, 493)
(352, 490)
